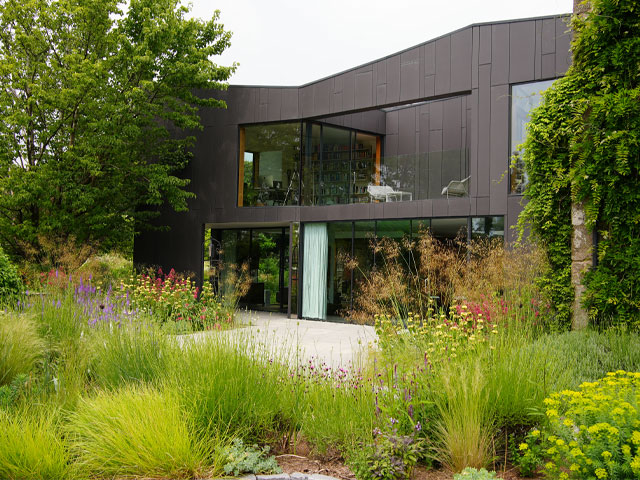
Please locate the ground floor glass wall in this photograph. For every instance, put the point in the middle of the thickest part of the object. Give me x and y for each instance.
(350, 243)
(265, 253)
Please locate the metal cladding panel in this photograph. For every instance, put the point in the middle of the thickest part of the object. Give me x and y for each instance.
(484, 130)
(474, 57)
(427, 208)
(484, 53)
(391, 145)
(289, 214)
(408, 210)
(482, 206)
(390, 209)
(364, 89)
(430, 59)
(459, 207)
(522, 50)
(423, 133)
(435, 112)
(452, 119)
(407, 131)
(393, 79)
(443, 65)
(440, 207)
(430, 86)
(461, 53)
(472, 129)
(392, 122)
(348, 91)
(499, 148)
(305, 100)
(322, 93)
(377, 211)
(289, 109)
(563, 44)
(548, 65)
(274, 109)
(538, 55)
(548, 36)
(500, 54)
(381, 72)
(410, 75)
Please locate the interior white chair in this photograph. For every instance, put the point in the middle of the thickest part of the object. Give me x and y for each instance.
(385, 193)
(457, 188)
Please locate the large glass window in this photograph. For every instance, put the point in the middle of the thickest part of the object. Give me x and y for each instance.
(524, 98)
(269, 166)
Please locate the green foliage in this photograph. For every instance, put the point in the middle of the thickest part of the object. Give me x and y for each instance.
(470, 473)
(240, 458)
(20, 346)
(529, 455)
(95, 96)
(130, 354)
(31, 447)
(583, 145)
(10, 282)
(391, 457)
(136, 431)
(593, 432)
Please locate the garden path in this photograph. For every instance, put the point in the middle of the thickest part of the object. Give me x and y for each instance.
(337, 344)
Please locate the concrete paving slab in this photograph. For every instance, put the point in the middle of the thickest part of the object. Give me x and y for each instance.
(337, 344)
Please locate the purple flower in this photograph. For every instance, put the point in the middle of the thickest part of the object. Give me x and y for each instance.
(418, 427)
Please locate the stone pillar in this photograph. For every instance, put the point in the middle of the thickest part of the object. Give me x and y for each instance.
(581, 238)
(581, 262)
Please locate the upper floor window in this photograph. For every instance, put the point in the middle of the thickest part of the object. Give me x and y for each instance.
(524, 98)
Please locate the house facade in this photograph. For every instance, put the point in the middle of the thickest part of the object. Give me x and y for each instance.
(293, 180)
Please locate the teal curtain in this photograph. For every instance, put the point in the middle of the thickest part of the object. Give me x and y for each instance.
(314, 274)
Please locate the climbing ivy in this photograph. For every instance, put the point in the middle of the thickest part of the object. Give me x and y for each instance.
(583, 145)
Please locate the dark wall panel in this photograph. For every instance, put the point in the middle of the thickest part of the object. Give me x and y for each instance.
(499, 160)
(410, 74)
(522, 49)
(461, 50)
(443, 65)
(500, 54)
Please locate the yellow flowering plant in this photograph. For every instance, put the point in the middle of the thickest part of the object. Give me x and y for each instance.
(175, 298)
(594, 432)
(440, 336)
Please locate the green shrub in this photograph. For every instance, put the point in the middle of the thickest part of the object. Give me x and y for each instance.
(10, 282)
(470, 473)
(594, 432)
(106, 269)
(31, 446)
(20, 346)
(240, 458)
(391, 457)
(135, 431)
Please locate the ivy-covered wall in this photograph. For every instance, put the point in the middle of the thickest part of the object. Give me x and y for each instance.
(583, 145)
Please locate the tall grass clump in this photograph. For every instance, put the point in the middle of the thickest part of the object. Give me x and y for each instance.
(31, 447)
(338, 406)
(465, 425)
(136, 431)
(230, 383)
(20, 346)
(131, 353)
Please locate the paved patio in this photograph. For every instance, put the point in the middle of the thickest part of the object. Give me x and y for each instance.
(334, 343)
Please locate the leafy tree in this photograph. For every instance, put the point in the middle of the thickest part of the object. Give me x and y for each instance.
(583, 146)
(95, 97)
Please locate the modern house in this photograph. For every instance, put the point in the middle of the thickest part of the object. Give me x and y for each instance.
(293, 179)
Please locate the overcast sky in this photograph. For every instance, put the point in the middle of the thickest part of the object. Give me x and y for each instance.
(287, 42)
